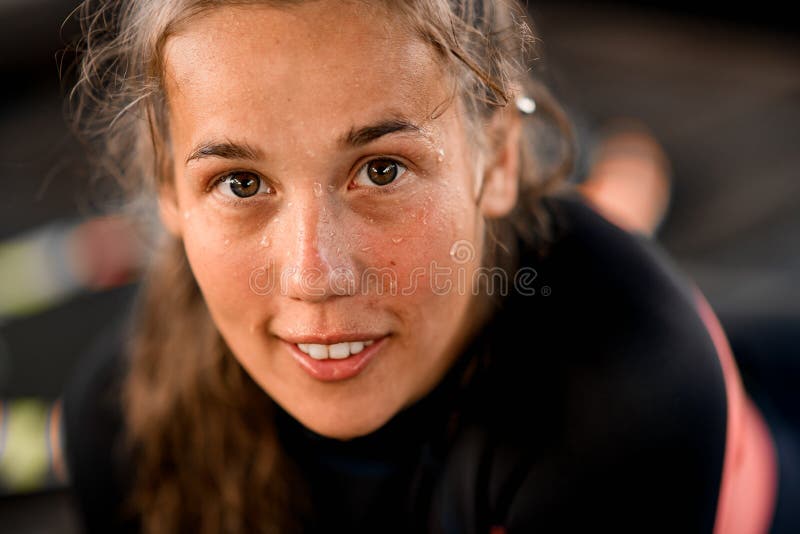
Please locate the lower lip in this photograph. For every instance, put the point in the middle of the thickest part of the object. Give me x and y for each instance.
(330, 370)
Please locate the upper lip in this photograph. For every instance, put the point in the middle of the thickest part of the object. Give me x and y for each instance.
(331, 339)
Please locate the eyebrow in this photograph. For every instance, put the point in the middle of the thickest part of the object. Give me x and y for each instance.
(367, 134)
(224, 150)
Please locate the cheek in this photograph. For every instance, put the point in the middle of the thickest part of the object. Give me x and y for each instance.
(432, 248)
(225, 264)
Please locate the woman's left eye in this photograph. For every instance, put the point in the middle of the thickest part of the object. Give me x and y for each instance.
(380, 172)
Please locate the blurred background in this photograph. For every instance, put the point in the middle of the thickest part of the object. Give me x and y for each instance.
(720, 90)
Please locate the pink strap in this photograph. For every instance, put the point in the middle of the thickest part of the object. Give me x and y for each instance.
(750, 472)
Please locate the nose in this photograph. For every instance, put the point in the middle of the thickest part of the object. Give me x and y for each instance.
(317, 264)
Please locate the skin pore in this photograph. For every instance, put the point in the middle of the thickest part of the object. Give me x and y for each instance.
(305, 110)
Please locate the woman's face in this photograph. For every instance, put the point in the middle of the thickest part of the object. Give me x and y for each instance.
(326, 194)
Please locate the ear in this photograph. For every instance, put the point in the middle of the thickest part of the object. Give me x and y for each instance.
(501, 175)
(168, 210)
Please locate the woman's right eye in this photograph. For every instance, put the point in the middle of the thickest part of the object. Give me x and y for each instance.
(242, 184)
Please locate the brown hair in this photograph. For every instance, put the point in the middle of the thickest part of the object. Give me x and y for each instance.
(202, 462)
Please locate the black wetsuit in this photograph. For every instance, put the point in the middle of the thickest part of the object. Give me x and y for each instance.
(598, 403)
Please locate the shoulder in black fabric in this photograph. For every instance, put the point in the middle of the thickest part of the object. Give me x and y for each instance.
(604, 403)
(93, 431)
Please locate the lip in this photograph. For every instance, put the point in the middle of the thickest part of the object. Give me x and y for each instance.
(335, 370)
(332, 339)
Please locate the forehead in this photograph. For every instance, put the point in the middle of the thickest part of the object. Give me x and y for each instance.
(330, 62)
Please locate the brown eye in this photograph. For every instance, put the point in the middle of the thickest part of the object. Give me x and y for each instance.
(241, 184)
(381, 171)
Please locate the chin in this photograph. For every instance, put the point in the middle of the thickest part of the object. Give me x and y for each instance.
(343, 425)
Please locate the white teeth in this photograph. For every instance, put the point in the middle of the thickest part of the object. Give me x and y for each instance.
(337, 351)
(318, 352)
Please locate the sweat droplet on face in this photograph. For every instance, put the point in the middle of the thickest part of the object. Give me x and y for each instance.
(397, 240)
(440, 155)
(317, 189)
(265, 242)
